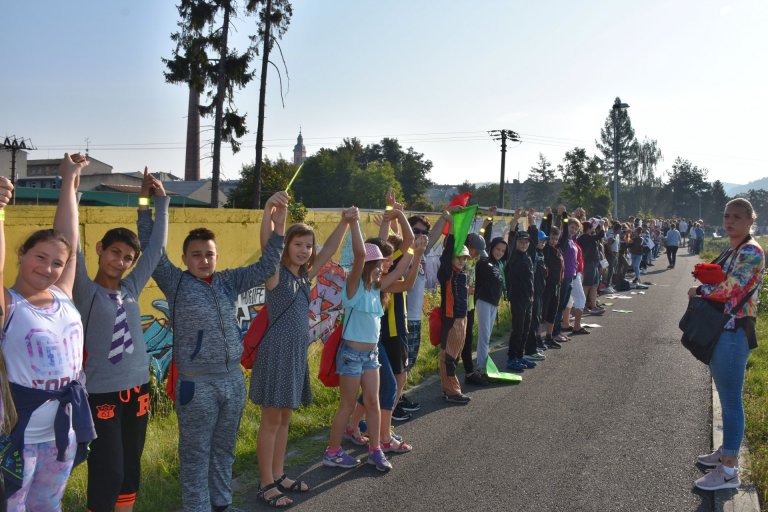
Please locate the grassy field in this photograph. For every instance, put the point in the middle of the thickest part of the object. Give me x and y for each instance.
(755, 385)
(160, 489)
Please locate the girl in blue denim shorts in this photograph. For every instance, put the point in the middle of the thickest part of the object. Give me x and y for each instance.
(357, 359)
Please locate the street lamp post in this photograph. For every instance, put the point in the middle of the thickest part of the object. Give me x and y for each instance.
(617, 105)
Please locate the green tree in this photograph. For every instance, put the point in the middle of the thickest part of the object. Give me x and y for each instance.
(324, 181)
(370, 185)
(686, 186)
(204, 60)
(583, 183)
(647, 183)
(274, 19)
(274, 177)
(541, 181)
(466, 186)
(411, 168)
(713, 213)
(627, 147)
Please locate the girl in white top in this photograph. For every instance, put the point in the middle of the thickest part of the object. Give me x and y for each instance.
(42, 344)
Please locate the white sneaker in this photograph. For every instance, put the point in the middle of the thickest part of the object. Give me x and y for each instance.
(610, 289)
(718, 479)
(711, 459)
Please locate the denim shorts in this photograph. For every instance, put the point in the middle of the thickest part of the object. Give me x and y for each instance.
(351, 362)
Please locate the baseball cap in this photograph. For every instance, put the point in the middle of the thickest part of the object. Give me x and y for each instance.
(464, 252)
(542, 236)
(523, 235)
(477, 243)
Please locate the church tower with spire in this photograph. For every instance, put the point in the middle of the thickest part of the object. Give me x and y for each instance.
(299, 151)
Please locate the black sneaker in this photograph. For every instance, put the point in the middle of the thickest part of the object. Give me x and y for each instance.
(408, 405)
(400, 415)
(476, 378)
(457, 399)
(552, 344)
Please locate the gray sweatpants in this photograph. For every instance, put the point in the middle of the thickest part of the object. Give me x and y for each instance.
(209, 411)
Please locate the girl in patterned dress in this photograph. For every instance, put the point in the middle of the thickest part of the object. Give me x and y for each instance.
(42, 344)
(280, 376)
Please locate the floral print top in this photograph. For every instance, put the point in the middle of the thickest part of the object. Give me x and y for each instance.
(744, 272)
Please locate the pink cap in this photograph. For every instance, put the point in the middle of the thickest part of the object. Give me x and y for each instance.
(372, 253)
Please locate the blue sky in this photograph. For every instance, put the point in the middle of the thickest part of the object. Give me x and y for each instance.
(436, 75)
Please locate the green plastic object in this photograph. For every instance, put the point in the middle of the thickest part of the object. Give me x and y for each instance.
(493, 373)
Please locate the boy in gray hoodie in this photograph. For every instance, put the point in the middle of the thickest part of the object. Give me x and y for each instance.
(207, 345)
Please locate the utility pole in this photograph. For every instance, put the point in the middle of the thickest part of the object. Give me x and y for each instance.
(503, 135)
(14, 146)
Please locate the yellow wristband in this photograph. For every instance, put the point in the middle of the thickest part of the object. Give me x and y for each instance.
(489, 218)
(410, 251)
(143, 201)
(2, 214)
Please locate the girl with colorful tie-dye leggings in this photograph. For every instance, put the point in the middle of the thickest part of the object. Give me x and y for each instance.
(42, 343)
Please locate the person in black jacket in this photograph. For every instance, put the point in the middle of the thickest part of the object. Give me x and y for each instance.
(519, 274)
(534, 346)
(489, 288)
(553, 259)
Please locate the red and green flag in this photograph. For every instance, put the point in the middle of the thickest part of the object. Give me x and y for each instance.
(462, 222)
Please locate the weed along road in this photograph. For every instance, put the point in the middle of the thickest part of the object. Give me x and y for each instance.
(613, 421)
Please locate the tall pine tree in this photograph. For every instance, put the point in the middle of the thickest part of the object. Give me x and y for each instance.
(204, 60)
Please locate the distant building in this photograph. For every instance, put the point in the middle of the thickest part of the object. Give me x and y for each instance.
(50, 167)
(299, 151)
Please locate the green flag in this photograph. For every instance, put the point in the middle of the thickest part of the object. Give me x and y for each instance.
(462, 221)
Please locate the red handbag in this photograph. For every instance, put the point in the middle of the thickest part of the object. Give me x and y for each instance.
(253, 336)
(327, 373)
(435, 326)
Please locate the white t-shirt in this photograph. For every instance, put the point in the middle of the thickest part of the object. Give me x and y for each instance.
(43, 349)
(415, 300)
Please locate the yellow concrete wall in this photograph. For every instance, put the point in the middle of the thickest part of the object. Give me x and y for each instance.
(237, 233)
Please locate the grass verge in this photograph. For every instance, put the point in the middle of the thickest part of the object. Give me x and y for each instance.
(160, 488)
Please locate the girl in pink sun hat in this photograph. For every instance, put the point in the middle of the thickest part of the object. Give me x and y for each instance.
(357, 361)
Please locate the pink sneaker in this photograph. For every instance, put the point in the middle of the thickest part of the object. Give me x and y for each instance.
(711, 459)
(718, 479)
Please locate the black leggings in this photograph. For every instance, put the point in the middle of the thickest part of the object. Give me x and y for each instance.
(466, 352)
(672, 254)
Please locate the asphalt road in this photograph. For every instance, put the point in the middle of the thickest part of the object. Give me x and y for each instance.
(611, 422)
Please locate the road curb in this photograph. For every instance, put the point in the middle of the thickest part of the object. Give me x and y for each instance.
(743, 499)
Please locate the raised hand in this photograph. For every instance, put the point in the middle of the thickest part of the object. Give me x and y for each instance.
(420, 244)
(71, 165)
(277, 200)
(279, 214)
(389, 197)
(351, 214)
(146, 184)
(6, 191)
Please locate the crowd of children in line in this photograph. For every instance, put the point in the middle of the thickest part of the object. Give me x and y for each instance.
(65, 332)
